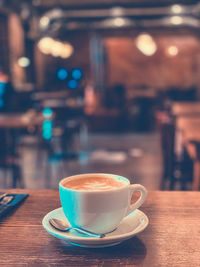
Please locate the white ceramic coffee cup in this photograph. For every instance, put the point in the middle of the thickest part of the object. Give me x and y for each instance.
(99, 211)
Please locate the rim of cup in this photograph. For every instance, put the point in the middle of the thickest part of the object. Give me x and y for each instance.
(84, 175)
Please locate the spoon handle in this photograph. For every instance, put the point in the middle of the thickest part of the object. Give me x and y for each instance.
(86, 232)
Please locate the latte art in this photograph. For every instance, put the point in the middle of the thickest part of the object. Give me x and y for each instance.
(94, 184)
(97, 185)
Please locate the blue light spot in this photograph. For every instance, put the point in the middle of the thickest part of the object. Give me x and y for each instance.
(72, 84)
(2, 87)
(83, 157)
(62, 74)
(47, 129)
(77, 74)
(47, 112)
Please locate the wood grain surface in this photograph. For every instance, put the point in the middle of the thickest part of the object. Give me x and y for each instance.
(22, 120)
(190, 127)
(171, 239)
(186, 109)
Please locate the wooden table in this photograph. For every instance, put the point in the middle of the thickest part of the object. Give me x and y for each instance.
(20, 120)
(185, 108)
(171, 239)
(190, 126)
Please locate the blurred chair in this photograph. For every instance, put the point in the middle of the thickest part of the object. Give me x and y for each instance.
(9, 160)
(177, 166)
(180, 94)
(68, 122)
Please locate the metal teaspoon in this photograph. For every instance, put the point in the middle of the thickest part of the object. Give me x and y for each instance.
(62, 226)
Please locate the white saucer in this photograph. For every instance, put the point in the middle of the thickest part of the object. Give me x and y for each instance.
(133, 224)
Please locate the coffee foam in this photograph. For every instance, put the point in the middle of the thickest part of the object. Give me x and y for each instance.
(94, 184)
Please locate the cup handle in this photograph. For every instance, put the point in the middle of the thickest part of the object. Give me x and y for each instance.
(140, 201)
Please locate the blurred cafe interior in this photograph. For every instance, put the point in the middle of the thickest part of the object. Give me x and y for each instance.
(100, 86)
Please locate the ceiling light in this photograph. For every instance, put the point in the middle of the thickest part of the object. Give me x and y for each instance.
(117, 11)
(119, 22)
(146, 44)
(176, 20)
(172, 50)
(49, 46)
(176, 9)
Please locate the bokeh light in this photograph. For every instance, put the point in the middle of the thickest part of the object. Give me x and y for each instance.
(176, 9)
(49, 46)
(176, 20)
(172, 50)
(47, 112)
(146, 44)
(76, 74)
(72, 84)
(62, 74)
(23, 62)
